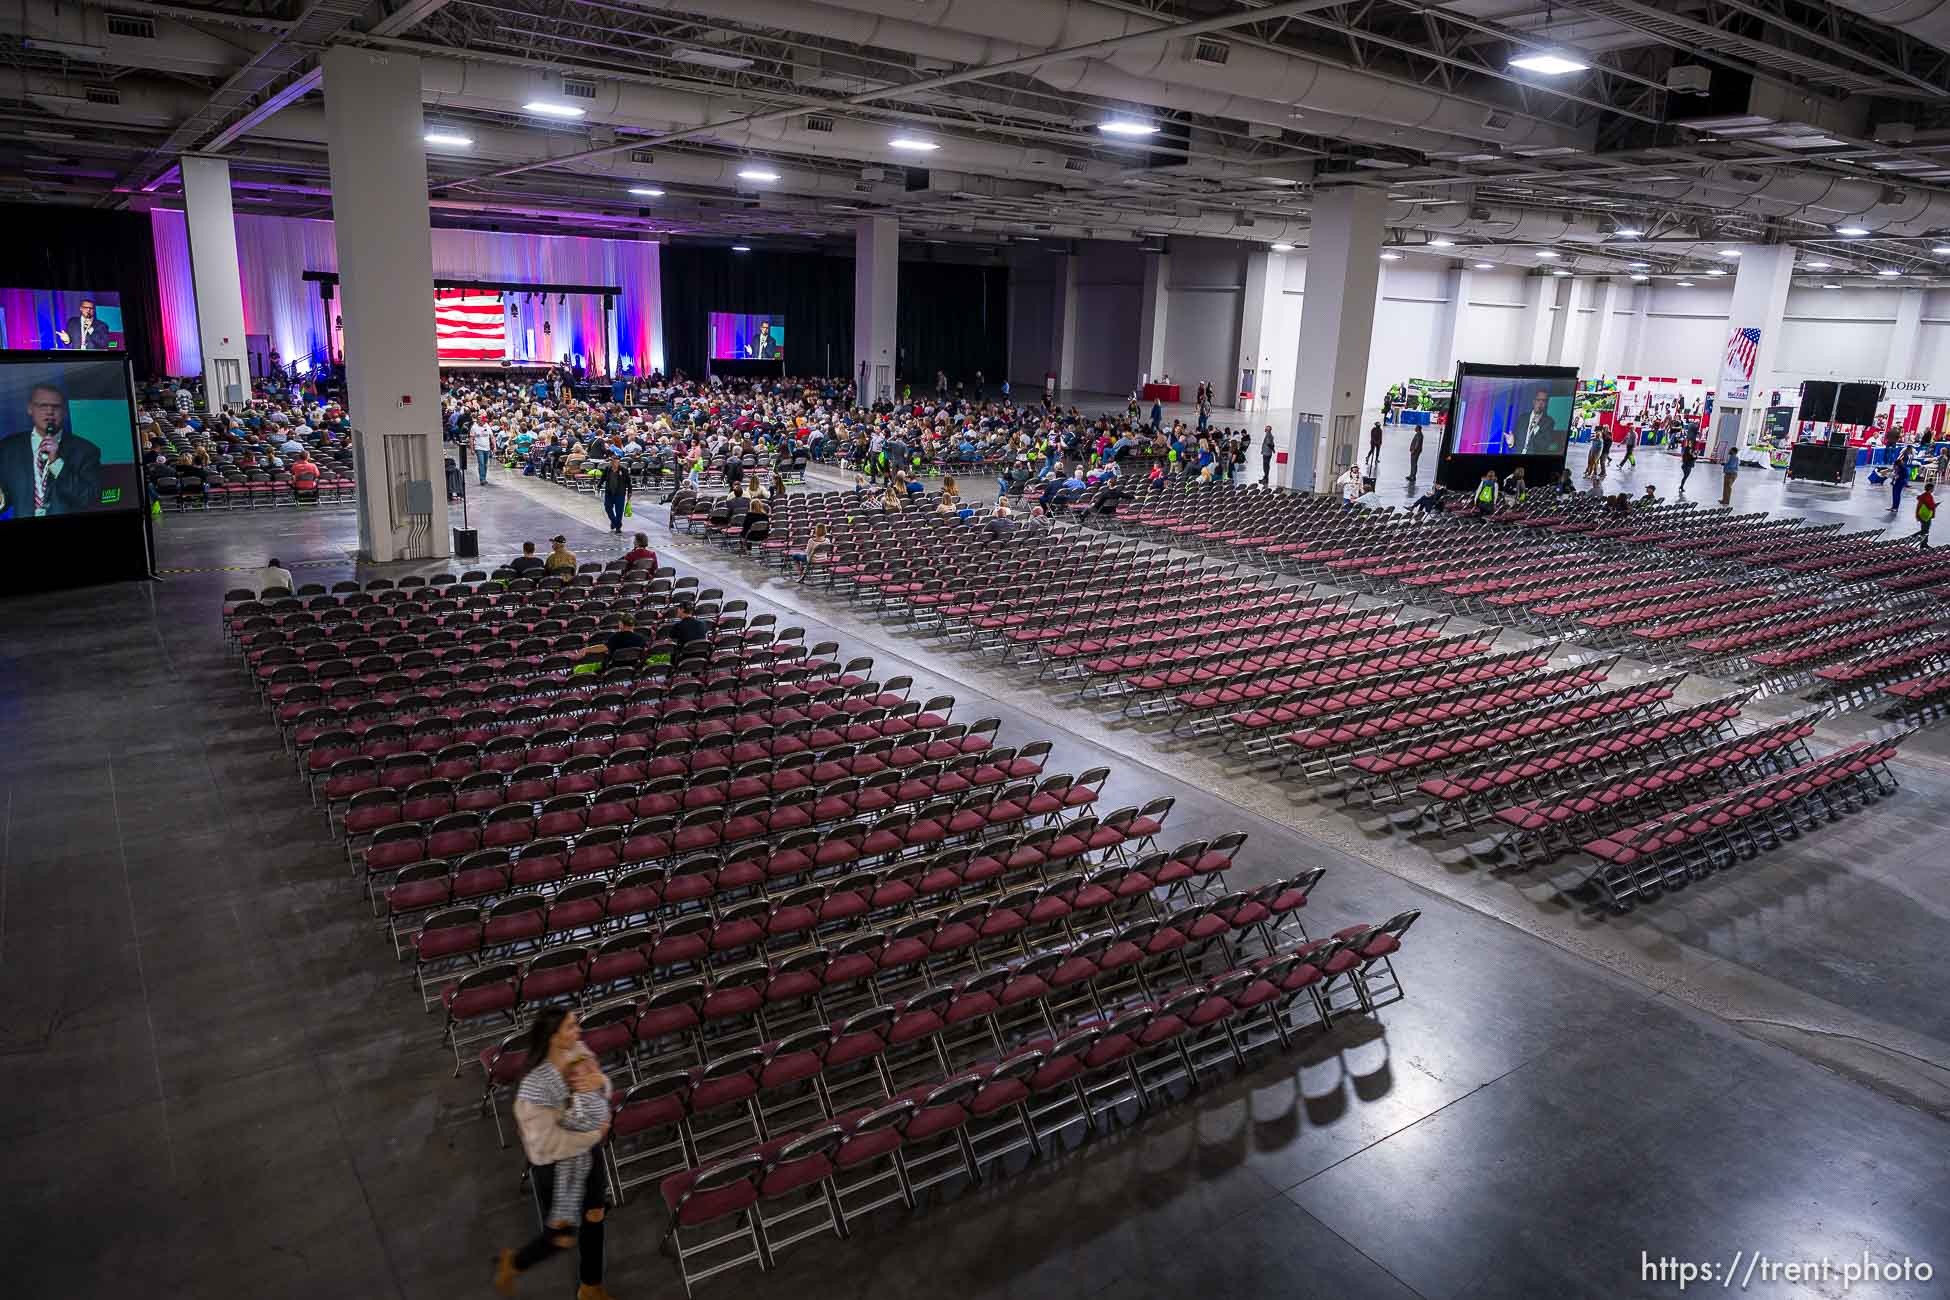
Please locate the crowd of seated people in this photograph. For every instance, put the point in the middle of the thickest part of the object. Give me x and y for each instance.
(286, 444)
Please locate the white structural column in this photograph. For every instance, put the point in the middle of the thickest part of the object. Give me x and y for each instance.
(876, 303)
(1540, 302)
(1155, 302)
(1258, 323)
(1063, 321)
(219, 284)
(1637, 304)
(1760, 290)
(1902, 340)
(1330, 373)
(1598, 356)
(385, 252)
(1450, 343)
(1573, 330)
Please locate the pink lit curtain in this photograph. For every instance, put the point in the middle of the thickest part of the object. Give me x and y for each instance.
(273, 254)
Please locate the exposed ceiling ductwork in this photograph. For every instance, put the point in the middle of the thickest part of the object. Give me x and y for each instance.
(1927, 20)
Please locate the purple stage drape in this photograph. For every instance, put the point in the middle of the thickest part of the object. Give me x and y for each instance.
(273, 253)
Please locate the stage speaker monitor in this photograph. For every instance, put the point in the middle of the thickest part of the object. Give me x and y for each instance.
(1818, 399)
(1856, 403)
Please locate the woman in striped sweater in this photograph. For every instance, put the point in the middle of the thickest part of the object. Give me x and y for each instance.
(561, 1124)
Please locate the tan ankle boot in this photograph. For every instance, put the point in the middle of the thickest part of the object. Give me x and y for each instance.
(504, 1272)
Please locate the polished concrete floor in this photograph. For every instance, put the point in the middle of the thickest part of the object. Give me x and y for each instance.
(218, 1082)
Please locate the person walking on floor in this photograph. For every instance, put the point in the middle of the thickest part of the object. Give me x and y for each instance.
(554, 1141)
(1729, 471)
(1594, 465)
(483, 436)
(616, 493)
(1925, 511)
(1414, 454)
(1374, 449)
(1898, 478)
(1157, 415)
(1687, 459)
(1266, 457)
(1631, 445)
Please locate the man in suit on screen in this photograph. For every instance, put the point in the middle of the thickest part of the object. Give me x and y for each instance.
(48, 469)
(1536, 428)
(85, 331)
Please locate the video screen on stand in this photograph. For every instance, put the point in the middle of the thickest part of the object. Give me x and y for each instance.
(67, 437)
(65, 320)
(1513, 415)
(736, 337)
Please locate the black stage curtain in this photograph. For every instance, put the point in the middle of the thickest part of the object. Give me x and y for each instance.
(813, 293)
(59, 247)
(951, 317)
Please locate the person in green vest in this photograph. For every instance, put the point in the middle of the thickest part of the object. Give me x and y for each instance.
(1486, 493)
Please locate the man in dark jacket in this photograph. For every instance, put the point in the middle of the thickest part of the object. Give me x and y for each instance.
(616, 492)
(48, 469)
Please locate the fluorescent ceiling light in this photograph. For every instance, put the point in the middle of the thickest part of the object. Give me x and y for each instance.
(1685, 284)
(1560, 273)
(646, 191)
(711, 58)
(453, 139)
(757, 174)
(74, 49)
(1890, 271)
(548, 108)
(741, 248)
(1129, 126)
(1546, 254)
(1831, 286)
(1549, 63)
(1819, 266)
(1941, 250)
(1717, 271)
(1641, 278)
(1283, 248)
(1851, 232)
(1641, 266)
(1628, 232)
(1729, 252)
(912, 144)
(1391, 257)
(1486, 266)
(1442, 243)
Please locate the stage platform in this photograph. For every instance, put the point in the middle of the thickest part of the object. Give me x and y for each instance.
(495, 367)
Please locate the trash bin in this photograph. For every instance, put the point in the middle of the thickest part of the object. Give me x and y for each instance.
(467, 543)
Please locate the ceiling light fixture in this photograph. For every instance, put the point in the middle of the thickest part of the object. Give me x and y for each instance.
(1391, 257)
(548, 108)
(451, 139)
(1486, 266)
(1819, 266)
(912, 144)
(1729, 252)
(1717, 271)
(1641, 266)
(1851, 232)
(1549, 63)
(1628, 232)
(1442, 243)
(1127, 126)
(1890, 271)
(1545, 254)
(741, 248)
(646, 191)
(1941, 250)
(757, 174)
(1641, 278)
(1831, 286)
(1283, 248)
(1685, 284)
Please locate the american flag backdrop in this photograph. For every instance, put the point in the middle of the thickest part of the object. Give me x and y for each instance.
(471, 325)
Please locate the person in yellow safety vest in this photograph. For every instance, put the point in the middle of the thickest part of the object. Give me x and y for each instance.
(1486, 493)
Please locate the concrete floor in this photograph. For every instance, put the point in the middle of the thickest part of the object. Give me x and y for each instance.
(219, 1084)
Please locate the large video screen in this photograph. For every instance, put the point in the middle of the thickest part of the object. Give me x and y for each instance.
(67, 437)
(1513, 415)
(746, 338)
(470, 326)
(69, 320)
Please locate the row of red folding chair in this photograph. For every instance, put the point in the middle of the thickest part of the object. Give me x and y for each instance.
(949, 1129)
(688, 1005)
(1094, 620)
(1542, 735)
(1920, 697)
(1543, 827)
(1387, 671)
(1645, 859)
(1315, 748)
(1882, 663)
(1736, 643)
(1147, 683)
(1477, 791)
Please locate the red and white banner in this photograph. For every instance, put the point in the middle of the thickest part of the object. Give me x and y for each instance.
(471, 325)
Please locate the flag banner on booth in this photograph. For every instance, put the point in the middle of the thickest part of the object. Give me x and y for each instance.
(1737, 370)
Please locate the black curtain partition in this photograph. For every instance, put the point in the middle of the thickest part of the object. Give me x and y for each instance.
(813, 293)
(951, 317)
(59, 247)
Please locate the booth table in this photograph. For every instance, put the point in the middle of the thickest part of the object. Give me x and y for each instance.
(1414, 417)
(1161, 392)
